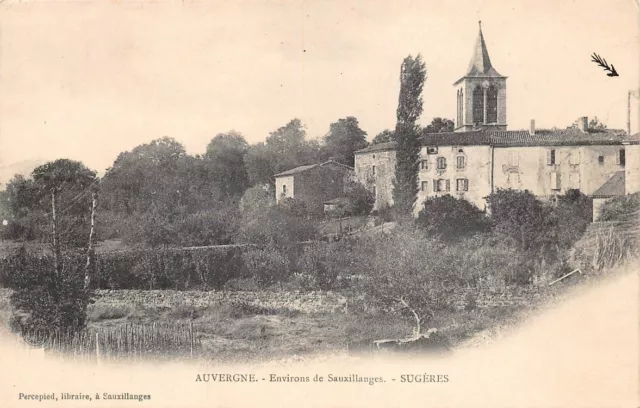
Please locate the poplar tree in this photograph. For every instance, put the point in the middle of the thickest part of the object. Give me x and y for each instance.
(407, 134)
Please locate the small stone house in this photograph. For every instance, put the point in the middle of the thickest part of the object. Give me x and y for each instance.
(314, 184)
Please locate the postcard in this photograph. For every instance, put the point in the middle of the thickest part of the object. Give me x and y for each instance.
(319, 203)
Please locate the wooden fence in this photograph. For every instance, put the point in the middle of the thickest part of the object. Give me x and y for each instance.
(131, 341)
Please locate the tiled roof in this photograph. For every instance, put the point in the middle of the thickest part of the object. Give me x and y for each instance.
(378, 147)
(613, 187)
(507, 138)
(562, 137)
(301, 169)
(338, 201)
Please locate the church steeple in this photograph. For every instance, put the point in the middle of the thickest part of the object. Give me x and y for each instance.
(481, 92)
(480, 64)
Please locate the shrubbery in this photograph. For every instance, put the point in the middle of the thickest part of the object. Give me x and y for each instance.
(46, 299)
(450, 218)
(625, 208)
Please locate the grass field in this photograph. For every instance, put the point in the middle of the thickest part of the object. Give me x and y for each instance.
(239, 331)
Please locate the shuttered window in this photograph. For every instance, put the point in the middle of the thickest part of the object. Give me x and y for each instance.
(551, 157)
(462, 184)
(555, 180)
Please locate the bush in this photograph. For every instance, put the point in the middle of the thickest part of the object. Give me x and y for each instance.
(623, 209)
(320, 264)
(275, 226)
(518, 215)
(361, 200)
(267, 266)
(451, 218)
(570, 218)
(44, 299)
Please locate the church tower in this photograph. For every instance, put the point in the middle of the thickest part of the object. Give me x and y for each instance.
(481, 93)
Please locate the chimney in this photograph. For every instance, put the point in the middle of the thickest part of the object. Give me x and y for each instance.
(532, 127)
(583, 124)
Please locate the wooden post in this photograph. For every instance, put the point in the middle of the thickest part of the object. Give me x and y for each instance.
(54, 231)
(90, 249)
(191, 337)
(97, 349)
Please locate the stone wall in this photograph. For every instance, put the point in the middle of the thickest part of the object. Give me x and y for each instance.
(311, 302)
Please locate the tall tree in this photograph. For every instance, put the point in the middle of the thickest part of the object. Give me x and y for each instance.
(30, 202)
(225, 161)
(439, 125)
(284, 149)
(344, 138)
(412, 77)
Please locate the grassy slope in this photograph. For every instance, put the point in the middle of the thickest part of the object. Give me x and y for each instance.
(237, 332)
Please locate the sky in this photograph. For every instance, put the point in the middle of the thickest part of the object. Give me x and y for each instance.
(87, 80)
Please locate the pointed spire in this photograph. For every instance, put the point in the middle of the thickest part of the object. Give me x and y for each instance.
(480, 62)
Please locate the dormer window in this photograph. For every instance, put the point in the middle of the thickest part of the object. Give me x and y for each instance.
(432, 150)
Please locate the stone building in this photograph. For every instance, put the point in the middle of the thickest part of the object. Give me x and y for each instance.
(481, 155)
(313, 184)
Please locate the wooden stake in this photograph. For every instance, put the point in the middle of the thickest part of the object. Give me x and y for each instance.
(55, 240)
(90, 249)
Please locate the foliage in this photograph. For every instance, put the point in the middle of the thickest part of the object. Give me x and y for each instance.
(518, 215)
(274, 226)
(361, 200)
(44, 299)
(407, 271)
(284, 149)
(29, 202)
(571, 216)
(383, 137)
(412, 78)
(293, 206)
(267, 265)
(451, 218)
(155, 193)
(624, 209)
(225, 163)
(323, 264)
(594, 125)
(256, 198)
(439, 125)
(343, 139)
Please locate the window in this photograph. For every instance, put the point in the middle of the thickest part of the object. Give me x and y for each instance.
(441, 185)
(462, 184)
(621, 159)
(460, 106)
(478, 105)
(492, 105)
(460, 162)
(432, 150)
(555, 180)
(442, 163)
(373, 190)
(601, 159)
(425, 186)
(551, 157)
(373, 170)
(514, 159)
(574, 157)
(284, 189)
(574, 180)
(424, 165)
